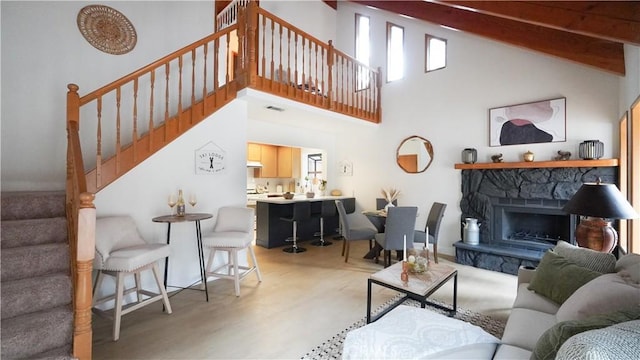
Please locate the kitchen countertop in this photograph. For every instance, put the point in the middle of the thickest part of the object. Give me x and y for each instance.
(296, 198)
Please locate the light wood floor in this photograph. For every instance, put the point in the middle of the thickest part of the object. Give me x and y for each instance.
(303, 300)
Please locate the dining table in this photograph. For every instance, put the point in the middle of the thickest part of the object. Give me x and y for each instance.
(377, 217)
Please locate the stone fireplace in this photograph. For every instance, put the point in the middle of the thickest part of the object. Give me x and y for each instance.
(520, 212)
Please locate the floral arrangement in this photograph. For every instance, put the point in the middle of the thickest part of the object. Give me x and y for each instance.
(390, 194)
(322, 184)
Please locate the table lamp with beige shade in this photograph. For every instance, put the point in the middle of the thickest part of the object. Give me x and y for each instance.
(596, 203)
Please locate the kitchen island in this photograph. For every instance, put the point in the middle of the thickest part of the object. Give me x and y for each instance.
(272, 232)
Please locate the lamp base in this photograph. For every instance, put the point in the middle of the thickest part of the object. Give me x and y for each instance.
(596, 234)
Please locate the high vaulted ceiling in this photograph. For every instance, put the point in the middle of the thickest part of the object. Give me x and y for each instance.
(587, 32)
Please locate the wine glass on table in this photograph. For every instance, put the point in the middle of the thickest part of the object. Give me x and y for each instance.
(171, 202)
(193, 200)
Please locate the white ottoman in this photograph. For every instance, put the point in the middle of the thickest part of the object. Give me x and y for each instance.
(413, 333)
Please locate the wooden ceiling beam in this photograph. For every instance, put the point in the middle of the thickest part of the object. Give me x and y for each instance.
(617, 21)
(599, 53)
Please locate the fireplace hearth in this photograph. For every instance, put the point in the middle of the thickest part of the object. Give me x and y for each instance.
(520, 212)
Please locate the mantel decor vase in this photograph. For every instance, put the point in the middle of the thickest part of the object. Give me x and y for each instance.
(591, 149)
(469, 156)
(471, 233)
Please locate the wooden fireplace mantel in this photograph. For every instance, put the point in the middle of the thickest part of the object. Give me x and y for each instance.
(539, 164)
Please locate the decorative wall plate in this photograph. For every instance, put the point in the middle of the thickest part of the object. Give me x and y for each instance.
(107, 29)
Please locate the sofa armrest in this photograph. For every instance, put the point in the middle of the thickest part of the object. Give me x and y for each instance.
(525, 274)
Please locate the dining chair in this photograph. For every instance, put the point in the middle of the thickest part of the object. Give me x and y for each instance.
(350, 233)
(121, 251)
(232, 232)
(432, 227)
(401, 222)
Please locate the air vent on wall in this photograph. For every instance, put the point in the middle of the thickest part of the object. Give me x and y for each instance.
(275, 108)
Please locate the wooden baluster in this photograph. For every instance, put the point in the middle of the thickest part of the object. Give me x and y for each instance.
(193, 87)
(289, 62)
(118, 128)
(315, 77)
(179, 115)
(378, 116)
(271, 66)
(166, 103)
(204, 79)
(280, 74)
(99, 144)
(216, 59)
(152, 86)
(304, 74)
(330, 70)
(295, 64)
(134, 135)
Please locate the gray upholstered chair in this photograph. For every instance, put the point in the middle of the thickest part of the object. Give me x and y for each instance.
(350, 233)
(401, 222)
(232, 233)
(433, 226)
(120, 251)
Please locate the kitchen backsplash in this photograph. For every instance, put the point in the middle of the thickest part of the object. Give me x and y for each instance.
(272, 185)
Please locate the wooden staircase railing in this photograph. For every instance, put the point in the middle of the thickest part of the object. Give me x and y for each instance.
(135, 116)
(113, 129)
(81, 218)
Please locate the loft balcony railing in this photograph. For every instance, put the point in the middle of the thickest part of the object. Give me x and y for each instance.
(128, 120)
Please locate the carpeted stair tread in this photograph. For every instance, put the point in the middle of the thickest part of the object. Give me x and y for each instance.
(35, 333)
(32, 205)
(60, 353)
(28, 232)
(23, 296)
(33, 261)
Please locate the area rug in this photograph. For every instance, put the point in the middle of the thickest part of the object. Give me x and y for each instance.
(332, 348)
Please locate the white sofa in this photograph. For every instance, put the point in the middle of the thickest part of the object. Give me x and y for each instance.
(537, 326)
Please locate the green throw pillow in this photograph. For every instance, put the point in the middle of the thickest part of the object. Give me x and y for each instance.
(556, 278)
(551, 340)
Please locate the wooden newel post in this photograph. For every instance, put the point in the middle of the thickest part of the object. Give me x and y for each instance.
(83, 289)
(330, 55)
(73, 105)
(252, 43)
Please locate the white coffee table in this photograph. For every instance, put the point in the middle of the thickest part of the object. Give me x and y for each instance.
(419, 286)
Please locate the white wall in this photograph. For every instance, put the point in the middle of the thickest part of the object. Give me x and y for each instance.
(630, 84)
(43, 51)
(42, 46)
(449, 107)
(143, 192)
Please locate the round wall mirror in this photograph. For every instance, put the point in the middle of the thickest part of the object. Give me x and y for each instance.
(415, 154)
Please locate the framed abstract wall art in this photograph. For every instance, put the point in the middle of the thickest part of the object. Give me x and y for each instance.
(535, 122)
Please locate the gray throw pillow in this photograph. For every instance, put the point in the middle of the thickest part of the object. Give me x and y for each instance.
(591, 259)
(556, 278)
(551, 340)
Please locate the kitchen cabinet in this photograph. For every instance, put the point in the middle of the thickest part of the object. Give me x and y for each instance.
(288, 162)
(254, 152)
(269, 160)
(277, 161)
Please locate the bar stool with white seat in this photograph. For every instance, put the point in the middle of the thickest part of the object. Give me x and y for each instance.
(232, 233)
(120, 250)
